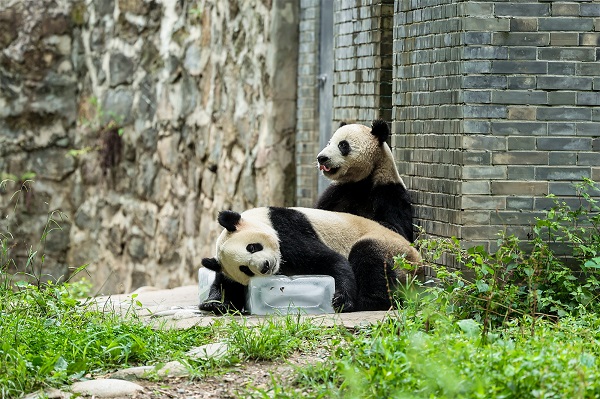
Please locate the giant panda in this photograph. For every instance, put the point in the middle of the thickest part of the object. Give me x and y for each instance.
(365, 180)
(357, 252)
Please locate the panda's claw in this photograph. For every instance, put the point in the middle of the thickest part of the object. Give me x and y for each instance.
(341, 303)
(216, 307)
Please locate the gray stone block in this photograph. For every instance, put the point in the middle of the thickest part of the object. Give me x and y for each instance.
(565, 24)
(477, 38)
(588, 159)
(520, 172)
(564, 83)
(588, 129)
(519, 188)
(565, 9)
(484, 82)
(564, 114)
(523, 24)
(519, 67)
(588, 98)
(522, 9)
(519, 97)
(562, 158)
(561, 97)
(563, 68)
(519, 203)
(522, 82)
(567, 54)
(523, 128)
(482, 202)
(484, 111)
(485, 52)
(484, 172)
(521, 143)
(522, 53)
(561, 129)
(520, 158)
(490, 143)
(587, 68)
(564, 39)
(564, 144)
(590, 9)
(562, 173)
(521, 39)
(476, 126)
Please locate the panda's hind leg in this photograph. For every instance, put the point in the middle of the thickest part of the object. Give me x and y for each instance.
(375, 277)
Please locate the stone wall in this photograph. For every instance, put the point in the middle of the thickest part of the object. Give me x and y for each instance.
(141, 119)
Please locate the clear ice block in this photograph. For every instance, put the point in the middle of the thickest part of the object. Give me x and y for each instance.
(309, 294)
(205, 280)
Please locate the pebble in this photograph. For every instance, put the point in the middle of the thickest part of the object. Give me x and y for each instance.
(106, 388)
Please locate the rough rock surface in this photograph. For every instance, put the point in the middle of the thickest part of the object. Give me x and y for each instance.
(141, 120)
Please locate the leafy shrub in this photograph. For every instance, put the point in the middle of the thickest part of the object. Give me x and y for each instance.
(530, 278)
(398, 360)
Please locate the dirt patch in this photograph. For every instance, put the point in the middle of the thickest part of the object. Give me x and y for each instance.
(240, 381)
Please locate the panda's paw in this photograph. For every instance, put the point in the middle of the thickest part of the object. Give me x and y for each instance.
(342, 302)
(216, 307)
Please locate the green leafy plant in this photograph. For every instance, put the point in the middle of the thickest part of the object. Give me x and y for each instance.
(553, 274)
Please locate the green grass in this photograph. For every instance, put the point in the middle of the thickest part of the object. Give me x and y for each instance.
(394, 359)
(50, 338)
(523, 325)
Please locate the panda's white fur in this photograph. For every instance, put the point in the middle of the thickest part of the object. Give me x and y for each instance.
(367, 156)
(357, 252)
(253, 227)
(365, 181)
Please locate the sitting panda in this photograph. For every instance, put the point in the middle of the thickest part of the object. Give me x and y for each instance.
(357, 252)
(365, 179)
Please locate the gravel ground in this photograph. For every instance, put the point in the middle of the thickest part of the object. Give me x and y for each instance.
(236, 383)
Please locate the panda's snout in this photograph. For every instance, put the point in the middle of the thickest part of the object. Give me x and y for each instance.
(265, 267)
(322, 160)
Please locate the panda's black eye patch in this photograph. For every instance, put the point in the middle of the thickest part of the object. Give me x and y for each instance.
(344, 147)
(246, 270)
(252, 248)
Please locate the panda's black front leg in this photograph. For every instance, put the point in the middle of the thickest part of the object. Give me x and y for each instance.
(344, 297)
(225, 296)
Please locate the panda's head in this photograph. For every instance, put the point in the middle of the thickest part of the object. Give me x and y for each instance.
(353, 151)
(248, 247)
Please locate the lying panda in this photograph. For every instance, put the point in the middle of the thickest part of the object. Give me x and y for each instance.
(356, 252)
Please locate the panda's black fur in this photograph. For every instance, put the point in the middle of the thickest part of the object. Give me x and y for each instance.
(307, 241)
(379, 193)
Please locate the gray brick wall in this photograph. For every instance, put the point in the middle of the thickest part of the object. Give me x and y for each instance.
(427, 115)
(307, 124)
(493, 104)
(363, 60)
(509, 91)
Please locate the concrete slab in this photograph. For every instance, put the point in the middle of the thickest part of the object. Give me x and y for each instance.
(177, 308)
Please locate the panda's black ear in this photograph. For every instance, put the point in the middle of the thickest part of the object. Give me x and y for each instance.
(381, 130)
(229, 220)
(342, 123)
(212, 264)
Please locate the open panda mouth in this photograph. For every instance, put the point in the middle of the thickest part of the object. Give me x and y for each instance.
(327, 170)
